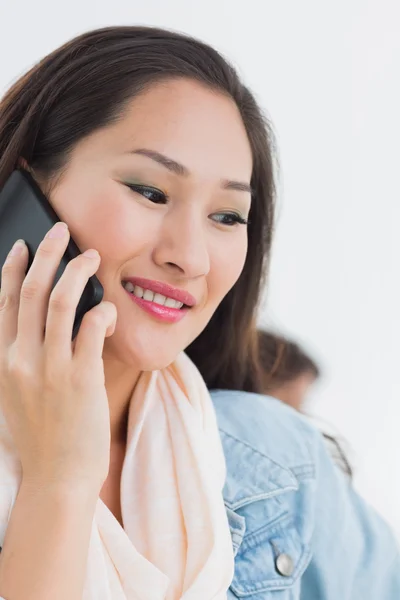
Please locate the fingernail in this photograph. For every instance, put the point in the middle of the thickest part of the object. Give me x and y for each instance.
(57, 231)
(91, 254)
(17, 248)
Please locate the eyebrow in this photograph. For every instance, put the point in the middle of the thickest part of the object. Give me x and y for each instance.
(182, 171)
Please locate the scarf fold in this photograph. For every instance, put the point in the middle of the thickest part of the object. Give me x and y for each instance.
(176, 542)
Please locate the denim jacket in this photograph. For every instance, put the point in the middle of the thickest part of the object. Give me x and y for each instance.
(299, 530)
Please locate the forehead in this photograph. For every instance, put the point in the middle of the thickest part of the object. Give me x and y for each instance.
(192, 124)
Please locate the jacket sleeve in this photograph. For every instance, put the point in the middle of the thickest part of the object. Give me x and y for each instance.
(355, 555)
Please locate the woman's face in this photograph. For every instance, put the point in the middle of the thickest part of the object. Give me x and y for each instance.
(161, 195)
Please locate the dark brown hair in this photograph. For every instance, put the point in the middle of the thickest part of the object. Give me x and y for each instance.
(85, 85)
(283, 360)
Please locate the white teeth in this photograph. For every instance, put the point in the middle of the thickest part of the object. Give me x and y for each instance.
(138, 291)
(151, 296)
(148, 295)
(159, 299)
(170, 303)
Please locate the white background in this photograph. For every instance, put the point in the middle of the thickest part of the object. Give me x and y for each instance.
(328, 75)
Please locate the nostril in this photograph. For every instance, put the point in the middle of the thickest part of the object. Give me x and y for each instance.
(175, 266)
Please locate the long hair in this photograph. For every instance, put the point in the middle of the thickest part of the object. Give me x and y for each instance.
(85, 85)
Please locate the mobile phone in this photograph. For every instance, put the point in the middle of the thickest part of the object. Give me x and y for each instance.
(25, 213)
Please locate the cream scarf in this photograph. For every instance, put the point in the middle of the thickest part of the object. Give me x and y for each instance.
(176, 542)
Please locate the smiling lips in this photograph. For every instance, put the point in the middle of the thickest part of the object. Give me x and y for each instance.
(159, 299)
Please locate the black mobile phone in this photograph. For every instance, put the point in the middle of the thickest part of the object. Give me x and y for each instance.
(25, 213)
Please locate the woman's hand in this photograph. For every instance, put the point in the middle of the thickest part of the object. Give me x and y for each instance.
(52, 392)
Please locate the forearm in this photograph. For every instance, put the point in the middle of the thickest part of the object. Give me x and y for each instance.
(45, 550)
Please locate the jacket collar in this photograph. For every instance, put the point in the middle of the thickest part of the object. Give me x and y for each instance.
(251, 475)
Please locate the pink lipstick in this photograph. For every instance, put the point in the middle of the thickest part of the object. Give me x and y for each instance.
(159, 299)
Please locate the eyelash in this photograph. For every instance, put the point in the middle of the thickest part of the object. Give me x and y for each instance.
(145, 191)
(162, 198)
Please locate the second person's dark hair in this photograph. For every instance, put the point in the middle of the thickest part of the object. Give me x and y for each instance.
(283, 360)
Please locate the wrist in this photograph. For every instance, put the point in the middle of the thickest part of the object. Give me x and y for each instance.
(36, 486)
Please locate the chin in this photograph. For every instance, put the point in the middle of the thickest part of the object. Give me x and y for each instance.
(141, 351)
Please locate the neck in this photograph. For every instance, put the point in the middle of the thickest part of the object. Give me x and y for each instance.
(120, 381)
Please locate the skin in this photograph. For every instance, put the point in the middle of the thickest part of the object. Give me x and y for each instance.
(182, 243)
(294, 392)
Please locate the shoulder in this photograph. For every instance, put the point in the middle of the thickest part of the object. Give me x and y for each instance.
(269, 427)
(269, 456)
(285, 496)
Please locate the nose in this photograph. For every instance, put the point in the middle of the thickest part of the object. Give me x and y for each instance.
(182, 245)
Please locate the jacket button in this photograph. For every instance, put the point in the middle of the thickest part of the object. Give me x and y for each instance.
(284, 565)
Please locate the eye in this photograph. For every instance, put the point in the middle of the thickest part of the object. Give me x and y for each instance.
(230, 219)
(153, 194)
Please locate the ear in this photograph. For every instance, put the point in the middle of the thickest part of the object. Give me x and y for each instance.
(23, 164)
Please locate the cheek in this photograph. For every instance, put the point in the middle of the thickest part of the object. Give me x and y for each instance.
(110, 230)
(226, 266)
(107, 221)
(119, 236)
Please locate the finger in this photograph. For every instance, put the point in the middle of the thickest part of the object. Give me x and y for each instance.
(64, 300)
(37, 286)
(12, 276)
(96, 325)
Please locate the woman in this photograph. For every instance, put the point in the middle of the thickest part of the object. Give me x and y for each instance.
(114, 483)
